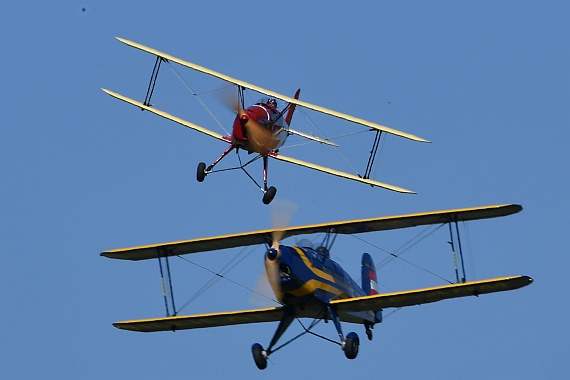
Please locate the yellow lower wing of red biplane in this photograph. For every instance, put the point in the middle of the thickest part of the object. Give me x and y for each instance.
(166, 115)
(357, 226)
(208, 132)
(374, 302)
(339, 173)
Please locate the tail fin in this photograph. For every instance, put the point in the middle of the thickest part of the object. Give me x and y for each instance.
(289, 115)
(369, 281)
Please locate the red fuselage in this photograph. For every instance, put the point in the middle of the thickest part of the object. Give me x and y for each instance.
(259, 128)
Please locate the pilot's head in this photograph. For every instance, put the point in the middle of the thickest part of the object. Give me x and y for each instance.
(272, 102)
(323, 251)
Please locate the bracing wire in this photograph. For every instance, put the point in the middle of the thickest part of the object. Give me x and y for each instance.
(221, 274)
(405, 247)
(197, 97)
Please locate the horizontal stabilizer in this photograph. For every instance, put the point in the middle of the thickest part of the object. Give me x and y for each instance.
(343, 227)
(311, 137)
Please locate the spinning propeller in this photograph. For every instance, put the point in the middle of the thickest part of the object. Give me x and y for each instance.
(281, 214)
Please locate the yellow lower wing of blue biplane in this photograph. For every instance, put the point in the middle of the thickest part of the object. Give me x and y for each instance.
(374, 302)
(428, 295)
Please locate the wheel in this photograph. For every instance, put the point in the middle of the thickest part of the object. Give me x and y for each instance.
(269, 195)
(201, 172)
(351, 344)
(259, 356)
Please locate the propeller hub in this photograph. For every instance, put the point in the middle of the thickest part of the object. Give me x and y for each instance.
(243, 119)
(272, 254)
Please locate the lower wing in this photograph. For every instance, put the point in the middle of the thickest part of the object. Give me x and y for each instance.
(428, 295)
(339, 173)
(197, 321)
(168, 116)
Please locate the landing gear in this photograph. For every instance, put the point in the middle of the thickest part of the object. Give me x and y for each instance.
(201, 172)
(369, 328)
(269, 195)
(259, 356)
(351, 344)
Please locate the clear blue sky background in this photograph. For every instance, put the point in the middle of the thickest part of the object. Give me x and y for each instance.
(486, 81)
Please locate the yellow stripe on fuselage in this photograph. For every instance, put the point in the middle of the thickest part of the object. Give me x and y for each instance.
(312, 285)
(316, 283)
(308, 264)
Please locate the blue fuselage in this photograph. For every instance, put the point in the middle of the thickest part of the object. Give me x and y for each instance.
(309, 278)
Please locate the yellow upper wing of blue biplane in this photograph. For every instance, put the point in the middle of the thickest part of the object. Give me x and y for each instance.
(343, 227)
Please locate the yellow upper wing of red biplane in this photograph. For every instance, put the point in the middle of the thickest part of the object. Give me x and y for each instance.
(343, 227)
(374, 302)
(272, 93)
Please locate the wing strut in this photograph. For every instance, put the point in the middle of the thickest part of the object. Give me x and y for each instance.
(372, 154)
(152, 82)
(454, 255)
(163, 256)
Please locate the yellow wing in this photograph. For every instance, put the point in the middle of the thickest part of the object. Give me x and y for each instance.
(208, 132)
(272, 93)
(197, 321)
(166, 115)
(339, 173)
(343, 227)
(375, 302)
(428, 295)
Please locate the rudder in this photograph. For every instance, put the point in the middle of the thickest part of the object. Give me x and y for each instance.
(369, 280)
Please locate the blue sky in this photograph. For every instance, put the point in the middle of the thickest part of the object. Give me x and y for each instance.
(82, 173)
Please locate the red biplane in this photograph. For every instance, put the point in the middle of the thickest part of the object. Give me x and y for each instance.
(262, 128)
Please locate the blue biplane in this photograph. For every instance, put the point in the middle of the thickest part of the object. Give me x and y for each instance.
(309, 284)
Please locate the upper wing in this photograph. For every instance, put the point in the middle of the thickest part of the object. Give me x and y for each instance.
(338, 173)
(342, 227)
(198, 321)
(166, 115)
(427, 295)
(272, 93)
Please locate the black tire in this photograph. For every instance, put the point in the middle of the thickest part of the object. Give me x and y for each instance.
(351, 345)
(201, 172)
(259, 356)
(269, 195)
